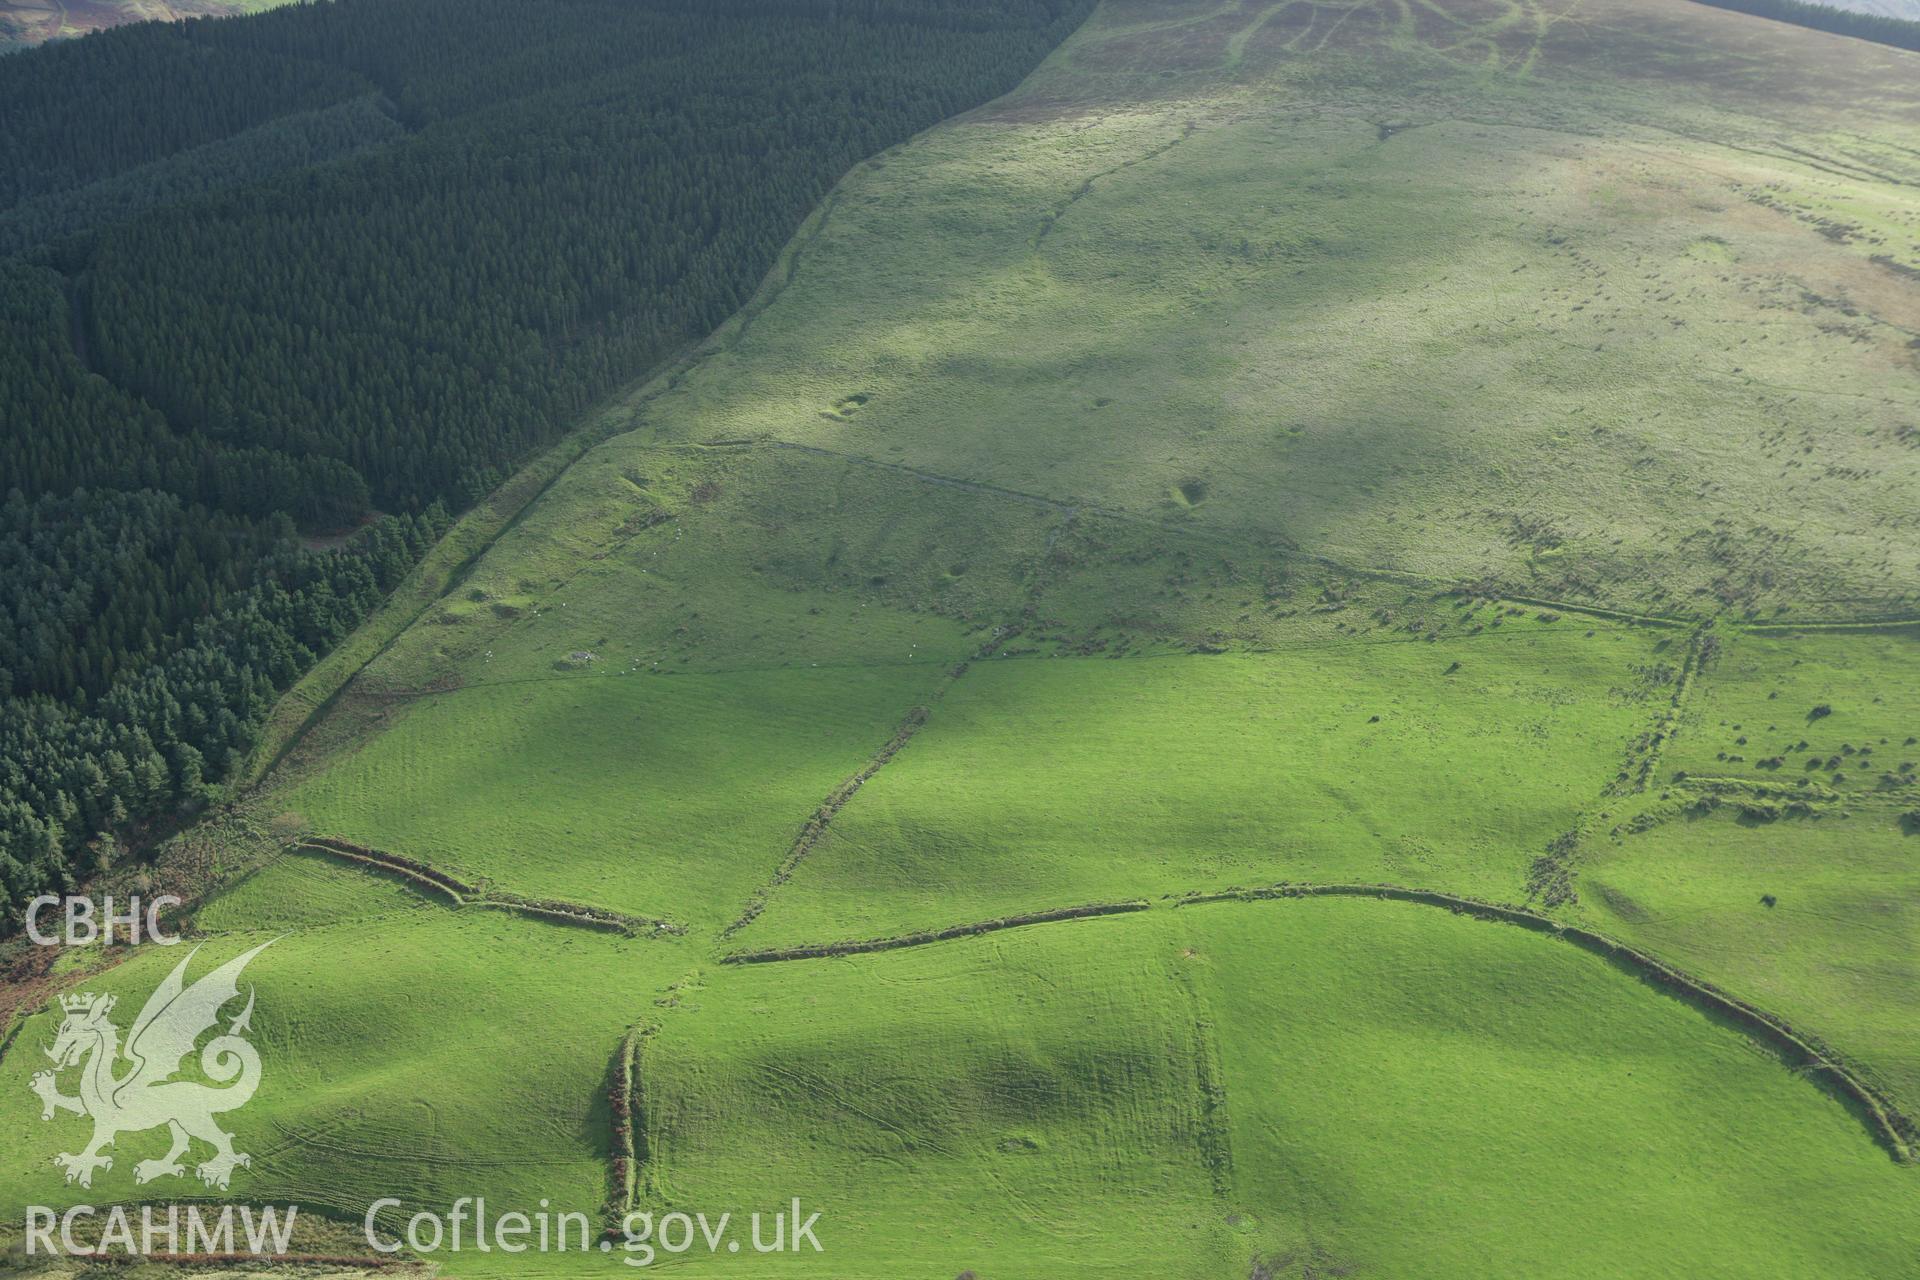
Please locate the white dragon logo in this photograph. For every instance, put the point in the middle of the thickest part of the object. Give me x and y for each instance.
(147, 1096)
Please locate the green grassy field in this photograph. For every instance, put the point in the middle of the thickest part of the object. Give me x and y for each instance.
(1836, 950)
(661, 796)
(442, 1055)
(1305, 1086)
(1443, 445)
(1193, 1091)
(1045, 782)
(1837, 708)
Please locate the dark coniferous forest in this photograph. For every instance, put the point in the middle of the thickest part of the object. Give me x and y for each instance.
(1901, 33)
(344, 266)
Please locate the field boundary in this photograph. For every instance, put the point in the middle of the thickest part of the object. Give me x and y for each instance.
(416, 873)
(1052, 217)
(817, 823)
(1550, 877)
(1214, 1131)
(1702, 647)
(822, 817)
(1802, 1051)
(575, 913)
(444, 566)
(1489, 589)
(462, 894)
(626, 1100)
(1833, 624)
(1668, 621)
(1891, 1127)
(1811, 794)
(894, 942)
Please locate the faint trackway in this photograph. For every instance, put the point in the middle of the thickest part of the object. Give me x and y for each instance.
(1237, 42)
(815, 828)
(1700, 650)
(1550, 879)
(1074, 508)
(1052, 217)
(816, 825)
(1803, 1052)
(1214, 1132)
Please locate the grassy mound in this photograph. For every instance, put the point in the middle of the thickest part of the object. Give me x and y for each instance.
(438, 1054)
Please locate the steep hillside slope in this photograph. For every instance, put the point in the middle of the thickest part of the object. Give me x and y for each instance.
(1192, 689)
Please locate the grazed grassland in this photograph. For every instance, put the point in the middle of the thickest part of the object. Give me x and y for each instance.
(1386, 442)
(1812, 917)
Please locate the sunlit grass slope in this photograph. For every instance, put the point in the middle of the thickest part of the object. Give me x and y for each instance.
(666, 796)
(1313, 1085)
(1815, 918)
(1450, 765)
(303, 889)
(1279, 441)
(425, 1056)
(1195, 1091)
(720, 558)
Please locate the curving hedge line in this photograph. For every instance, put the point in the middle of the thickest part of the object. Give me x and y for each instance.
(404, 867)
(1891, 1127)
(576, 913)
(464, 894)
